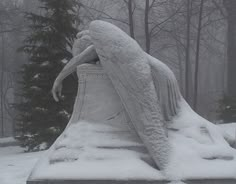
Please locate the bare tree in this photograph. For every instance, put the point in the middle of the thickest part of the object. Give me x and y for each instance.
(231, 47)
(131, 8)
(11, 26)
(188, 77)
(146, 26)
(199, 28)
(2, 85)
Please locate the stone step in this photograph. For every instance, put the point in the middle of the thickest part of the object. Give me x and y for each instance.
(197, 181)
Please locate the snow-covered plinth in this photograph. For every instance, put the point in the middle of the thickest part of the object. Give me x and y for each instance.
(200, 181)
(99, 147)
(98, 142)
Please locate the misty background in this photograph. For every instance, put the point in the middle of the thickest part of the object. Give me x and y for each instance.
(195, 38)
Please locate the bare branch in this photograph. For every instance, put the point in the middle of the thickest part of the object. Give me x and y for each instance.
(164, 21)
(107, 16)
(219, 8)
(152, 4)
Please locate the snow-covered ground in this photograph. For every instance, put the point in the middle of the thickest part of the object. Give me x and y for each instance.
(6, 140)
(15, 164)
(229, 128)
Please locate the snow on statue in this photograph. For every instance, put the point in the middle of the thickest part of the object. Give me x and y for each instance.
(150, 94)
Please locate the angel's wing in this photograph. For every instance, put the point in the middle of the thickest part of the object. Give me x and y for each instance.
(129, 70)
(167, 88)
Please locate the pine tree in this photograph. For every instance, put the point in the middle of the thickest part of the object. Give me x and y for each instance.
(52, 32)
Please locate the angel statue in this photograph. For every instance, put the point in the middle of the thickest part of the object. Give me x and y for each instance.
(150, 94)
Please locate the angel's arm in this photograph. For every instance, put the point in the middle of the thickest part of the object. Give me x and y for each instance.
(86, 56)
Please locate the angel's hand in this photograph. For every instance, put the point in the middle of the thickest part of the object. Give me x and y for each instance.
(56, 90)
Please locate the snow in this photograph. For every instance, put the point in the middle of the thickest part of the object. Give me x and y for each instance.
(129, 168)
(133, 82)
(41, 109)
(229, 128)
(64, 113)
(45, 63)
(15, 164)
(186, 162)
(7, 139)
(199, 149)
(176, 182)
(86, 145)
(35, 88)
(86, 150)
(195, 142)
(64, 61)
(36, 76)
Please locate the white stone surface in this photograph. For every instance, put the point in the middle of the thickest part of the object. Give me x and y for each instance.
(98, 137)
(104, 149)
(148, 89)
(99, 120)
(96, 143)
(127, 66)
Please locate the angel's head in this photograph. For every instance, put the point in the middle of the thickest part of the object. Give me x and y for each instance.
(81, 43)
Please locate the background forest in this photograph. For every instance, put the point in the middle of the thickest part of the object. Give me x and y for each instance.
(195, 38)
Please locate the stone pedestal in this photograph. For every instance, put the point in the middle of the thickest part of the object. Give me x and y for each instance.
(99, 145)
(98, 139)
(99, 122)
(202, 181)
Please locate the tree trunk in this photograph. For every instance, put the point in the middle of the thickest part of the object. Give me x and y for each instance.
(2, 87)
(146, 24)
(187, 53)
(131, 21)
(197, 56)
(230, 6)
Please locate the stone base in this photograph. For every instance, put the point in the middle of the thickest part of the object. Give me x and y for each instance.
(197, 181)
(100, 146)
